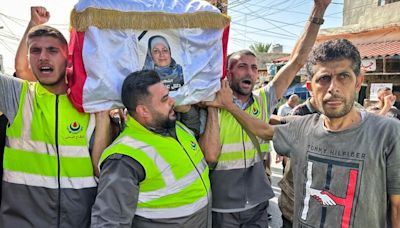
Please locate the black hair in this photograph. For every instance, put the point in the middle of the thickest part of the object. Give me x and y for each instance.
(45, 30)
(135, 88)
(232, 60)
(334, 50)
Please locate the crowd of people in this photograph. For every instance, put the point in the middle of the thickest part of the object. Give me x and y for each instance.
(63, 168)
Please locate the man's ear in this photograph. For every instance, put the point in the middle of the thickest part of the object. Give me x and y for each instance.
(359, 81)
(228, 75)
(142, 111)
(308, 86)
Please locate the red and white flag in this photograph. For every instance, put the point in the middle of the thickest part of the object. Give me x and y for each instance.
(181, 39)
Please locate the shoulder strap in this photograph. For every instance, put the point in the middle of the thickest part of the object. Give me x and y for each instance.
(254, 140)
(263, 107)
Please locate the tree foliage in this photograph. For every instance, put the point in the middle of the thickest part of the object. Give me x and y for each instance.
(260, 47)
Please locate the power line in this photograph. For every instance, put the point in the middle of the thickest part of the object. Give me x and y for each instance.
(277, 9)
(277, 27)
(268, 31)
(5, 24)
(7, 47)
(14, 19)
(254, 15)
(301, 22)
(12, 37)
(269, 20)
(261, 11)
(357, 7)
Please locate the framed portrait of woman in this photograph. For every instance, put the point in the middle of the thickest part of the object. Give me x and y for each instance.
(162, 53)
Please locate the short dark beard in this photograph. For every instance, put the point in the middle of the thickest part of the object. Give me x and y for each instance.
(236, 88)
(162, 122)
(346, 109)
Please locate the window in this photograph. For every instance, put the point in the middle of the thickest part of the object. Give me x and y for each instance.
(379, 65)
(393, 64)
(385, 2)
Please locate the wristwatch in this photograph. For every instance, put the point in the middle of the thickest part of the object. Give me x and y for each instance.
(316, 20)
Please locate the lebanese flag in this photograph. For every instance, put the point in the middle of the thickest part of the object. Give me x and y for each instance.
(112, 38)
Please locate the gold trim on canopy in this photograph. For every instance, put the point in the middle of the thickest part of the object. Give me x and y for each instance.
(113, 19)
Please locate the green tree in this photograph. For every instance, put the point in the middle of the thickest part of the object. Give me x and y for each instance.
(260, 47)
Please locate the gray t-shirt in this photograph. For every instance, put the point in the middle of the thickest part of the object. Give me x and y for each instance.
(10, 92)
(342, 178)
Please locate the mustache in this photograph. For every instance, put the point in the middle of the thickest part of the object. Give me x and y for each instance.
(246, 79)
(333, 97)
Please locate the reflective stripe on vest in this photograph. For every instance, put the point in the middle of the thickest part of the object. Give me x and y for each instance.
(47, 182)
(31, 152)
(154, 213)
(237, 164)
(237, 149)
(172, 186)
(44, 148)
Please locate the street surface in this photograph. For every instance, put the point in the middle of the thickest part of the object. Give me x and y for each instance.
(273, 209)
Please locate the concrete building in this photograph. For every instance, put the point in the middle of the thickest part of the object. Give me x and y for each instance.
(264, 61)
(374, 27)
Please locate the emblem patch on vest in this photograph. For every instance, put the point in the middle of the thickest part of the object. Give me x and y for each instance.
(74, 128)
(255, 111)
(193, 145)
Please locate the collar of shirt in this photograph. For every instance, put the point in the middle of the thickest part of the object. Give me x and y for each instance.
(244, 105)
(311, 107)
(164, 132)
